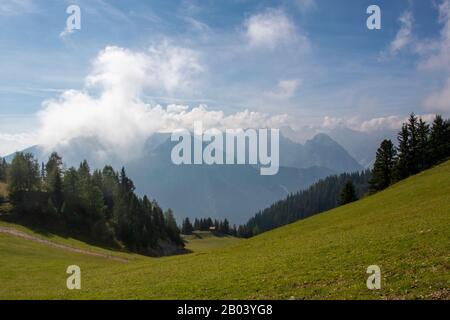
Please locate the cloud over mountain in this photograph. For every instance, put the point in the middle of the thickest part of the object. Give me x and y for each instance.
(112, 110)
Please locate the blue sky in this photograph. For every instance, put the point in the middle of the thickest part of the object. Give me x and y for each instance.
(314, 61)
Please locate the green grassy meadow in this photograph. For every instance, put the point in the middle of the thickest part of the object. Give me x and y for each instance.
(204, 241)
(405, 230)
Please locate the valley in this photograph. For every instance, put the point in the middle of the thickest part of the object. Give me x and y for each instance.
(322, 257)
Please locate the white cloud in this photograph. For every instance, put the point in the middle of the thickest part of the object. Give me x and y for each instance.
(436, 53)
(436, 58)
(270, 29)
(403, 38)
(381, 123)
(163, 68)
(404, 35)
(111, 109)
(370, 125)
(285, 90)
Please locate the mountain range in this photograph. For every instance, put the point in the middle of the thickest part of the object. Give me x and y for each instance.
(234, 192)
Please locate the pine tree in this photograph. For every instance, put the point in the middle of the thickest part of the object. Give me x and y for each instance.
(348, 194)
(217, 225)
(423, 145)
(110, 189)
(43, 175)
(96, 205)
(413, 144)
(208, 224)
(53, 180)
(3, 169)
(126, 184)
(171, 226)
(197, 225)
(404, 155)
(225, 227)
(187, 227)
(71, 188)
(383, 169)
(440, 140)
(57, 195)
(23, 176)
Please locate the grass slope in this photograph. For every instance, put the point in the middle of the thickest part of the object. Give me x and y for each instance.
(201, 241)
(404, 230)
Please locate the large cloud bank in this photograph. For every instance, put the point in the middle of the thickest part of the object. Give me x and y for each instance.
(111, 108)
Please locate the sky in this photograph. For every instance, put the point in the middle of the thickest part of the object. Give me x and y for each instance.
(138, 67)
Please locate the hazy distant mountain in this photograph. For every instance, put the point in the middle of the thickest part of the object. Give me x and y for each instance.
(320, 151)
(37, 151)
(361, 146)
(231, 191)
(223, 191)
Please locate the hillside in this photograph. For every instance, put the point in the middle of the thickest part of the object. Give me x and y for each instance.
(319, 197)
(404, 230)
(204, 240)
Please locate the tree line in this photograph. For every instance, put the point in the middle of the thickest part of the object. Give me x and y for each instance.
(207, 224)
(324, 195)
(420, 146)
(3, 168)
(100, 205)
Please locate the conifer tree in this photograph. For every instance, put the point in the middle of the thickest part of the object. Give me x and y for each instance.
(413, 144)
(404, 155)
(53, 180)
(171, 226)
(196, 224)
(348, 194)
(187, 227)
(23, 176)
(383, 169)
(3, 169)
(439, 139)
(423, 145)
(225, 227)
